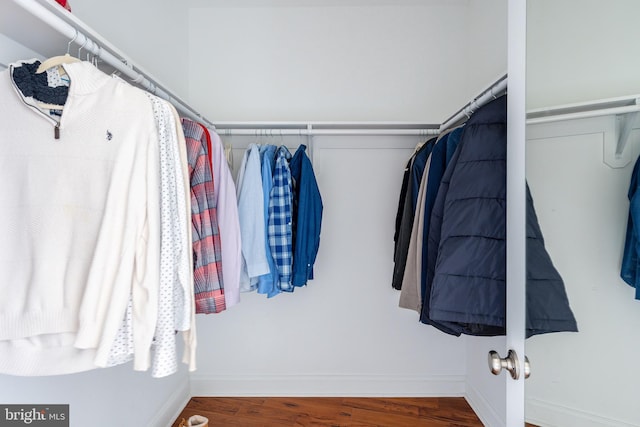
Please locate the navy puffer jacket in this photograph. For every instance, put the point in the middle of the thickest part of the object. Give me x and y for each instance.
(466, 267)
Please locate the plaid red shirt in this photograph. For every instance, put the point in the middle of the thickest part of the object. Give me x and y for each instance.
(207, 252)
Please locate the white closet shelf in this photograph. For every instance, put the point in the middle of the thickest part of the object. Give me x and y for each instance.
(623, 110)
(46, 28)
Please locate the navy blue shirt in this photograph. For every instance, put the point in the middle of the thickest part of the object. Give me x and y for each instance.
(307, 217)
(629, 270)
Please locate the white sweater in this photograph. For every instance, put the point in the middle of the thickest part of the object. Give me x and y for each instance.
(79, 219)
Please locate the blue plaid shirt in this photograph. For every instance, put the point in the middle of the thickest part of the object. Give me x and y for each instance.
(280, 230)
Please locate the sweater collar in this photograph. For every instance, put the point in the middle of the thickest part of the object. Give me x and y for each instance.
(33, 85)
(85, 79)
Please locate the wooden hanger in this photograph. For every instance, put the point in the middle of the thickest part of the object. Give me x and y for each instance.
(56, 61)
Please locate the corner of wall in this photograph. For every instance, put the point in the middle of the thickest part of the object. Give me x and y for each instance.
(173, 406)
(482, 407)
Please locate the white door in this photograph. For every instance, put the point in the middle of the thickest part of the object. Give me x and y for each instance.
(499, 399)
(516, 213)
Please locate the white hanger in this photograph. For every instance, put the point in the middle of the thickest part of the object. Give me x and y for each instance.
(56, 61)
(46, 106)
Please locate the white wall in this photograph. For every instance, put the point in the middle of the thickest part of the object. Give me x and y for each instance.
(579, 51)
(339, 61)
(153, 34)
(403, 60)
(583, 207)
(344, 333)
(11, 50)
(104, 398)
(486, 44)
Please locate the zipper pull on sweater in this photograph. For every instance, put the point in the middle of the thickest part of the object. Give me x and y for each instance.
(56, 131)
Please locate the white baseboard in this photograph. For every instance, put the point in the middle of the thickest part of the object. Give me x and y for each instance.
(327, 385)
(548, 414)
(173, 406)
(482, 408)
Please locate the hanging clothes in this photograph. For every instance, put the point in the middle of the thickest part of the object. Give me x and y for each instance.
(412, 291)
(468, 227)
(410, 295)
(307, 217)
(177, 308)
(291, 216)
(175, 293)
(403, 233)
(69, 266)
(433, 244)
(402, 200)
(268, 283)
(224, 193)
(251, 216)
(207, 252)
(440, 158)
(280, 230)
(629, 269)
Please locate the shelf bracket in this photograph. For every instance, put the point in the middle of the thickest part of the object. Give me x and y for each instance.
(615, 154)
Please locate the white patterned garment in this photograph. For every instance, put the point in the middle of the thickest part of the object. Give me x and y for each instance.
(54, 79)
(165, 361)
(171, 251)
(189, 336)
(183, 285)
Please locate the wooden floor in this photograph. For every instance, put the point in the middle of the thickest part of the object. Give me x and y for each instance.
(334, 411)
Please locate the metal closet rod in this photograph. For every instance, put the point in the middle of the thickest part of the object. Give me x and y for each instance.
(498, 88)
(325, 128)
(582, 110)
(362, 128)
(127, 69)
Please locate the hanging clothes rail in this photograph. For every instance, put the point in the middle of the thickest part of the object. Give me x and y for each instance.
(496, 89)
(75, 30)
(362, 128)
(325, 128)
(582, 110)
(624, 112)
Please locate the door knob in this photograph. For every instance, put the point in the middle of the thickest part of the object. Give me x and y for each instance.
(510, 363)
(527, 368)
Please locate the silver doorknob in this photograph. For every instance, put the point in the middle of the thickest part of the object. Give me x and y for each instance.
(527, 368)
(510, 363)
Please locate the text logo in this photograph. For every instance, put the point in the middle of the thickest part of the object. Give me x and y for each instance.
(34, 415)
